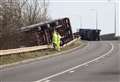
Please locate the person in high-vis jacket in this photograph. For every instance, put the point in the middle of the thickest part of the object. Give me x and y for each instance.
(56, 40)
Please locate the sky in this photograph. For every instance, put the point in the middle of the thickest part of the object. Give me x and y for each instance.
(84, 13)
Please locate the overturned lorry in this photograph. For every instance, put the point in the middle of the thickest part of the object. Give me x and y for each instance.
(41, 34)
(90, 34)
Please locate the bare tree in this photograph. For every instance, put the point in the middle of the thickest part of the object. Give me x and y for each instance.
(35, 11)
(17, 13)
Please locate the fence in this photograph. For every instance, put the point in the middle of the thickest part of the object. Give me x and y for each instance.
(29, 49)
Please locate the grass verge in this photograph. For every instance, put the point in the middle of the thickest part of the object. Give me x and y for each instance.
(12, 58)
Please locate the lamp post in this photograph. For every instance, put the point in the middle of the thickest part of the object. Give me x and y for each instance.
(96, 16)
(115, 9)
(96, 19)
(81, 22)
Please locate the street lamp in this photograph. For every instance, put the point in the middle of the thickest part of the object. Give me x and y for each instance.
(81, 22)
(96, 15)
(115, 28)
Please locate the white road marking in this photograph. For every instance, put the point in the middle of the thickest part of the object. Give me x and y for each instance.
(72, 71)
(73, 68)
(86, 65)
(47, 81)
(119, 48)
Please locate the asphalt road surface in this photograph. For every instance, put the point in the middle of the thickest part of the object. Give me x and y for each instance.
(97, 62)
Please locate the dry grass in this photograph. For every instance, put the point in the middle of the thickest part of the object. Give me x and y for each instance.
(29, 55)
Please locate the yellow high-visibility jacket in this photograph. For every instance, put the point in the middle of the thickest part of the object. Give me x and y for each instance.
(54, 38)
(58, 39)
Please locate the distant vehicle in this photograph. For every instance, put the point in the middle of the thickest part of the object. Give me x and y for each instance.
(90, 34)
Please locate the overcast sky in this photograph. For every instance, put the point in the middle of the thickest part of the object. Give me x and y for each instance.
(82, 13)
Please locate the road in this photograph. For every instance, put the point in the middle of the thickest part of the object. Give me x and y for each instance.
(97, 62)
